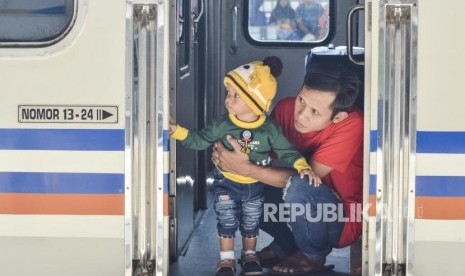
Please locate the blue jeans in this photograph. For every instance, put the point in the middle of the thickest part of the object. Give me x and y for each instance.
(319, 228)
(237, 206)
(283, 244)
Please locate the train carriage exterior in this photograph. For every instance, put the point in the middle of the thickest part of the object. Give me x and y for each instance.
(91, 184)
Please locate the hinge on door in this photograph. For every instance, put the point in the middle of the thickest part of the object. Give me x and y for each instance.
(172, 238)
(388, 270)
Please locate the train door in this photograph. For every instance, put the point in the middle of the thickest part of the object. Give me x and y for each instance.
(62, 184)
(184, 105)
(416, 139)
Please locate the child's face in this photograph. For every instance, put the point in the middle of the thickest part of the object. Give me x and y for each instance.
(235, 104)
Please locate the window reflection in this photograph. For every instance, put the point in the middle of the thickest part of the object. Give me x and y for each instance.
(289, 20)
(32, 21)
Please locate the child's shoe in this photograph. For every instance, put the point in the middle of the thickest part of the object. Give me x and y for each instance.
(226, 267)
(250, 264)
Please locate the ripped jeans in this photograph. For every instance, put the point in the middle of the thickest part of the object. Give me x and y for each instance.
(237, 206)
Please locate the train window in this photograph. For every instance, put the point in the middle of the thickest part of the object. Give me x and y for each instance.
(289, 20)
(37, 22)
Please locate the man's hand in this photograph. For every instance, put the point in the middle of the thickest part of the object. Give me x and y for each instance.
(234, 161)
(238, 162)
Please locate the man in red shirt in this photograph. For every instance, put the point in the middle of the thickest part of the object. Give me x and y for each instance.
(323, 124)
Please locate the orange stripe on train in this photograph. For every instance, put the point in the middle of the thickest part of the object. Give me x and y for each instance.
(372, 210)
(446, 208)
(166, 205)
(452, 208)
(62, 204)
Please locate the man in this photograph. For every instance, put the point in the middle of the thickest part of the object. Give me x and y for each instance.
(322, 123)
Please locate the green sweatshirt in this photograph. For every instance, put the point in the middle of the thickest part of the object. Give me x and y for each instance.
(257, 139)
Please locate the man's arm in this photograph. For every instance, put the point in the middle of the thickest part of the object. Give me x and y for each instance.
(320, 170)
(238, 162)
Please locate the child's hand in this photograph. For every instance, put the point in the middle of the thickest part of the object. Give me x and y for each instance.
(173, 126)
(312, 177)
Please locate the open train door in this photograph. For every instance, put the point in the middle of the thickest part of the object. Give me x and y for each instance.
(185, 102)
(82, 141)
(415, 59)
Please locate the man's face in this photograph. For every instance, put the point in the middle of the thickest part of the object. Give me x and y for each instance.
(312, 110)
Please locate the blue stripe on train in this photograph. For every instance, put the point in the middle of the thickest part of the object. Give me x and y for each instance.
(372, 187)
(166, 140)
(166, 183)
(435, 186)
(62, 139)
(61, 183)
(440, 142)
(373, 140)
(432, 141)
(440, 186)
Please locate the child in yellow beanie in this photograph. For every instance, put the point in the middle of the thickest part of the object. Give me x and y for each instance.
(238, 199)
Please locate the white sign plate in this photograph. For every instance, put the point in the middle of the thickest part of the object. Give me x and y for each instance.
(68, 114)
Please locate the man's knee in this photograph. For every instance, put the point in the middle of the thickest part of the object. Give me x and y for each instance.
(297, 190)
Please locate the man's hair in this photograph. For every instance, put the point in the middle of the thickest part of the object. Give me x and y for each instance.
(338, 79)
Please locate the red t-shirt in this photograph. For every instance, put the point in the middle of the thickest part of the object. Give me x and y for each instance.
(339, 146)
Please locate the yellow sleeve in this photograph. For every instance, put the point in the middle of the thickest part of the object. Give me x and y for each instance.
(180, 133)
(301, 164)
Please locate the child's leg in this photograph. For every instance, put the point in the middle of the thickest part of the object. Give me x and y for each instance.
(252, 207)
(227, 225)
(227, 210)
(226, 248)
(249, 244)
(227, 263)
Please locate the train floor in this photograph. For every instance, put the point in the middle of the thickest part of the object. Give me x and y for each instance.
(202, 253)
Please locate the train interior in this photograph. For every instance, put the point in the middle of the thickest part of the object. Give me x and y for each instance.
(217, 37)
(91, 184)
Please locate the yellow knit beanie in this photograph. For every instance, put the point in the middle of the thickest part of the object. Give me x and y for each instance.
(256, 82)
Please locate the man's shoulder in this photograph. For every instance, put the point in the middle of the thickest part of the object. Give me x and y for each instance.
(350, 129)
(351, 126)
(285, 103)
(283, 110)
(355, 117)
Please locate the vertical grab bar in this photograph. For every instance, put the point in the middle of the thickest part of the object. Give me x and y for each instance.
(196, 20)
(235, 13)
(198, 16)
(146, 124)
(350, 50)
(396, 147)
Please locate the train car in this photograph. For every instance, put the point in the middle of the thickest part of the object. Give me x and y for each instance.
(92, 184)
